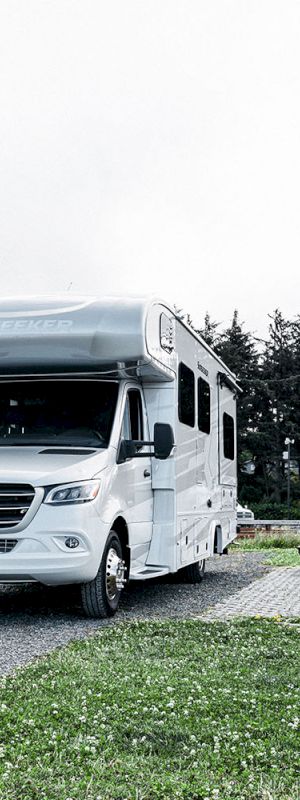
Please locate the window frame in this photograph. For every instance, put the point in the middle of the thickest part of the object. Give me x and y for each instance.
(182, 366)
(134, 390)
(207, 387)
(228, 445)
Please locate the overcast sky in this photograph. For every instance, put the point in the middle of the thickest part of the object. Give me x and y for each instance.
(152, 147)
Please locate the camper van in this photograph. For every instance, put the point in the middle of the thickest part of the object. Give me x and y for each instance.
(118, 446)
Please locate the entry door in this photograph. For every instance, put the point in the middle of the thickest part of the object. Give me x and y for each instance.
(134, 476)
(227, 436)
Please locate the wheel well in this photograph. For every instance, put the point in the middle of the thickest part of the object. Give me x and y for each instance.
(120, 527)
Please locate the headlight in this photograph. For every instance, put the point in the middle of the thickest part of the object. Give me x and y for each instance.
(72, 493)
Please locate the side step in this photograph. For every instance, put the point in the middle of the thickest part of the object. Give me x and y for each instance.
(148, 572)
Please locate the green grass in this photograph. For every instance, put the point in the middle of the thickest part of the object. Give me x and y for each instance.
(282, 549)
(156, 710)
(283, 558)
(269, 541)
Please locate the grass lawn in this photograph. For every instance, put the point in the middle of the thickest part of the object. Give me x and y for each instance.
(283, 558)
(276, 556)
(179, 709)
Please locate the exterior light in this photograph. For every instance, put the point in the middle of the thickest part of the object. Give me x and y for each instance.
(72, 542)
(72, 493)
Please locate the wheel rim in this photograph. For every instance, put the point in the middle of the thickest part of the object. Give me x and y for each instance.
(114, 577)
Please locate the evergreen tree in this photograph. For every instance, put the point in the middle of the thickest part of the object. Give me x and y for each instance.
(277, 402)
(237, 349)
(294, 386)
(209, 332)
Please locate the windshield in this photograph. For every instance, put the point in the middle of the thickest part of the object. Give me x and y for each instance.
(57, 412)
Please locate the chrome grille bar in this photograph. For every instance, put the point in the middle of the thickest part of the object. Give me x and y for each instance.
(15, 500)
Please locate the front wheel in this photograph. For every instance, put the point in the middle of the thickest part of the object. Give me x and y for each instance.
(193, 573)
(100, 597)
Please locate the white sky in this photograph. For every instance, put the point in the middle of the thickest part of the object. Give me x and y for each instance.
(152, 147)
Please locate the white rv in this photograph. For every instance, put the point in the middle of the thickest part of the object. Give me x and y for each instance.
(118, 446)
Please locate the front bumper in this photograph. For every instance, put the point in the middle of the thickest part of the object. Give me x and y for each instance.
(40, 553)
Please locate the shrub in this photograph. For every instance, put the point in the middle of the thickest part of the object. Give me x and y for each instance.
(275, 511)
(283, 539)
(270, 541)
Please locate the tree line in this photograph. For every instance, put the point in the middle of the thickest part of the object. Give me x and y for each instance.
(268, 408)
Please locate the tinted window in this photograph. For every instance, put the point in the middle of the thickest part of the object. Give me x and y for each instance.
(57, 412)
(133, 416)
(186, 396)
(203, 406)
(228, 436)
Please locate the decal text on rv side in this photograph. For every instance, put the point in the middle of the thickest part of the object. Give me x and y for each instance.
(35, 325)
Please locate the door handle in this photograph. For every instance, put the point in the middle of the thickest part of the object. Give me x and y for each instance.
(146, 473)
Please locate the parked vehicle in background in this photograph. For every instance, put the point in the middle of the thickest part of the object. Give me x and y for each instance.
(118, 446)
(243, 512)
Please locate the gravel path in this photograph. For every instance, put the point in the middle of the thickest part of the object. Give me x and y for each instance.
(35, 620)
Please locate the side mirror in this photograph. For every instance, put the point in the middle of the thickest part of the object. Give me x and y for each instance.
(163, 440)
(163, 444)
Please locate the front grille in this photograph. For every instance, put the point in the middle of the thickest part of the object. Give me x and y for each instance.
(15, 500)
(6, 545)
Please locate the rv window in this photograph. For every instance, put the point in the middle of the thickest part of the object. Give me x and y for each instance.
(228, 436)
(133, 416)
(186, 395)
(57, 412)
(203, 406)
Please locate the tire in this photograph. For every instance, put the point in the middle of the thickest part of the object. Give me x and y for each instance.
(193, 573)
(100, 597)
